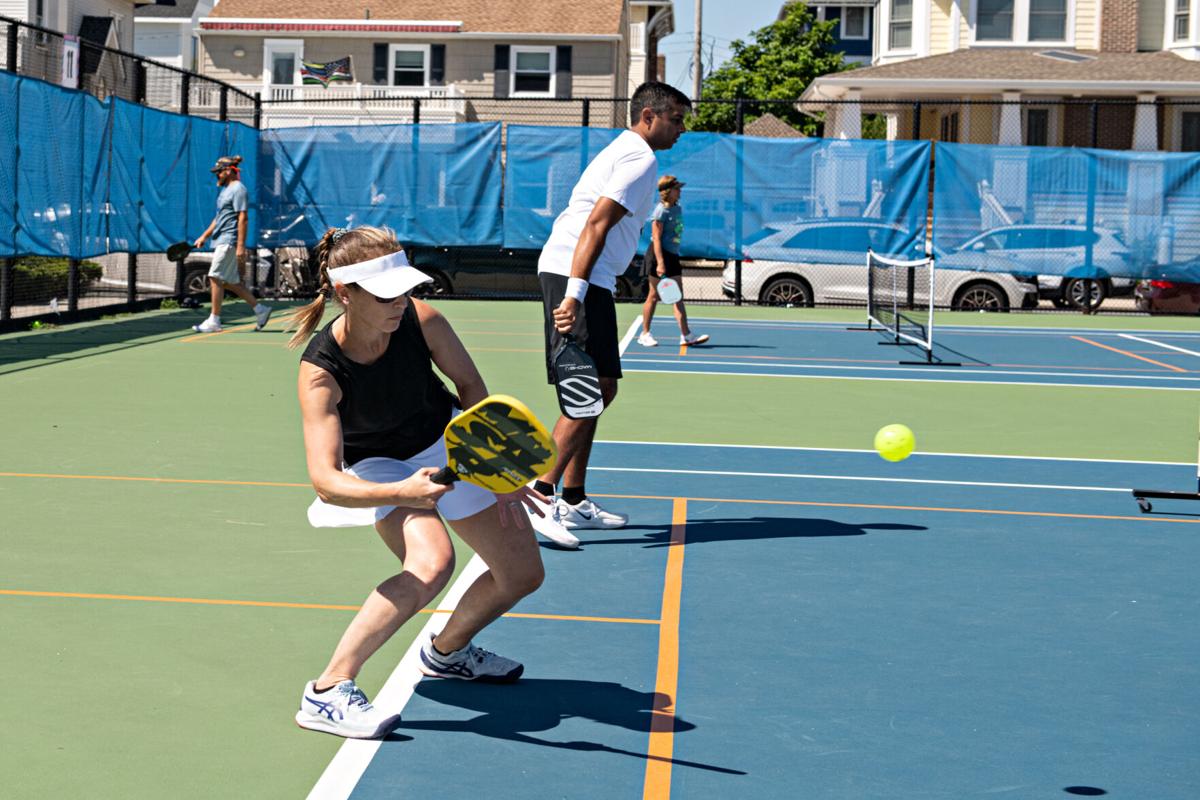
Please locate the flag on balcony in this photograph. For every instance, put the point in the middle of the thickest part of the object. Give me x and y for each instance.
(325, 74)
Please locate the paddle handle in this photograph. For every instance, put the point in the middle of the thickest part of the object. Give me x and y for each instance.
(444, 476)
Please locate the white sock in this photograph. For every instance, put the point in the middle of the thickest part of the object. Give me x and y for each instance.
(214, 318)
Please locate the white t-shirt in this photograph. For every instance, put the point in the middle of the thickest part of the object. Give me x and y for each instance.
(625, 172)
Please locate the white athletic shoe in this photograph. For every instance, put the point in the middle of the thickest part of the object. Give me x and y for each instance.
(692, 338)
(208, 326)
(587, 514)
(549, 526)
(469, 664)
(262, 313)
(343, 711)
(646, 339)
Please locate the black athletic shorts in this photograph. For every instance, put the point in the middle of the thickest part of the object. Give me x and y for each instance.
(650, 264)
(595, 326)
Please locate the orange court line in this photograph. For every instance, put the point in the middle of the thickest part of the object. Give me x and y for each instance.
(222, 332)
(657, 785)
(1171, 367)
(948, 510)
(273, 604)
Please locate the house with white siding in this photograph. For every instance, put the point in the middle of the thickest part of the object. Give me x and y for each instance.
(465, 60)
(1047, 60)
(170, 34)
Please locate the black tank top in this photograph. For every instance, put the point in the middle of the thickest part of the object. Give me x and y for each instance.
(394, 407)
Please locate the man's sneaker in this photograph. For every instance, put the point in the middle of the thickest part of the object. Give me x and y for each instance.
(550, 527)
(586, 514)
(343, 711)
(208, 326)
(262, 313)
(646, 339)
(692, 338)
(469, 664)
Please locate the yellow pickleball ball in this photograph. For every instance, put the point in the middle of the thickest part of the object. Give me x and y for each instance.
(895, 442)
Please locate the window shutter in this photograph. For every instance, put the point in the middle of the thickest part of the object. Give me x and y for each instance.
(500, 68)
(437, 65)
(562, 71)
(381, 66)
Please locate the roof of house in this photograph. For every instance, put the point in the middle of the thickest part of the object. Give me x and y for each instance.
(593, 17)
(770, 125)
(1020, 69)
(181, 9)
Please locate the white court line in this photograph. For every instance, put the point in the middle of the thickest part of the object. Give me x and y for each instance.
(913, 380)
(816, 477)
(916, 370)
(1159, 344)
(354, 756)
(346, 769)
(766, 323)
(868, 450)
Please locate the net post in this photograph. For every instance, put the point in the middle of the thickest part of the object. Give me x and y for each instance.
(131, 281)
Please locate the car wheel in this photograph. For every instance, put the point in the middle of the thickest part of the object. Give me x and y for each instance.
(786, 290)
(980, 297)
(195, 280)
(1073, 291)
(440, 285)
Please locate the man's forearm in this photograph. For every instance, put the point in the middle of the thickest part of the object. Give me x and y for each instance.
(587, 251)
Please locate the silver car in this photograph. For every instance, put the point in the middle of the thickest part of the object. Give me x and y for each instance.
(824, 261)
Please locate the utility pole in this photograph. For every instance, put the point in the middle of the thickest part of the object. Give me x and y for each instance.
(697, 64)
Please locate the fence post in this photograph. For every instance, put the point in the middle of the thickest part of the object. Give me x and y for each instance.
(72, 285)
(916, 129)
(6, 288)
(185, 95)
(11, 64)
(1095, 117)
(257, 110)
(131, 282)
(223, 108)
(139, 82)
(587, 112)
(416, 111)
(740, 118)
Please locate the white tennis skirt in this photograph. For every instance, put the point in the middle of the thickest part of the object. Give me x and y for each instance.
(463, 499)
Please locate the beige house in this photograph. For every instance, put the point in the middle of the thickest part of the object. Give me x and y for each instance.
(464, 60)
(1030, 70)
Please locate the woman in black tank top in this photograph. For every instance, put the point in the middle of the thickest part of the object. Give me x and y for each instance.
(371, 401)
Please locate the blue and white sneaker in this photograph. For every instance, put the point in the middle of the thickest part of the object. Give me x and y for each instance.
(586, 514)
(262, 313)
(343, 710)
(549, 526)
(469, 664)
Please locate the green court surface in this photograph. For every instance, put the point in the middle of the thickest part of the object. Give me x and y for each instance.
(163, 599)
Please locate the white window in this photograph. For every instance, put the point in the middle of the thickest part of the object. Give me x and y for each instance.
(1183, 9)
(900, 25)
(854, 22)
(281, 61)
(409, 65)
(1022, 21)
(532, 73)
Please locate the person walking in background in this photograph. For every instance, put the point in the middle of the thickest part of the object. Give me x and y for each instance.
(592, 242)
(228, 233)
(373, 411)
(662, 260)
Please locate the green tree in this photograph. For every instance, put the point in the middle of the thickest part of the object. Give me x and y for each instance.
(778, 64)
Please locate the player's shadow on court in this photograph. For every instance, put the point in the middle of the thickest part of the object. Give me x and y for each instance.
(514, 713)
(747, 528)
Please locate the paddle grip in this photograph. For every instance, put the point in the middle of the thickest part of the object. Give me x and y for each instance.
(444, 476)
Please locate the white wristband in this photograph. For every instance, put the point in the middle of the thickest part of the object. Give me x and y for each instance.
(577, 288)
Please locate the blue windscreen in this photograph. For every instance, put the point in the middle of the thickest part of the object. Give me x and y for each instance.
(1068, 211)
(745, 196)
(431, 184)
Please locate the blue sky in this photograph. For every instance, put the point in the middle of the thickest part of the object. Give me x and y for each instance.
(723, 21)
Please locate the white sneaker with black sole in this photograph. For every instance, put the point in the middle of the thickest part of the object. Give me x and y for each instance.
(586, 514)
(343, 710)
(549, 526)
(469, 664)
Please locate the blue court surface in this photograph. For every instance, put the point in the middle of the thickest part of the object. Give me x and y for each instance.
(796, 623)
(1019, 356)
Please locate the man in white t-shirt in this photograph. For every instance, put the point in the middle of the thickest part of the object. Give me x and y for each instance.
(592, 242)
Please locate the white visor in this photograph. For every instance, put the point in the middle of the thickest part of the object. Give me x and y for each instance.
(386, 276)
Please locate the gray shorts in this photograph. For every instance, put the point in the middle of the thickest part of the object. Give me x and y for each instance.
(224, 264)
